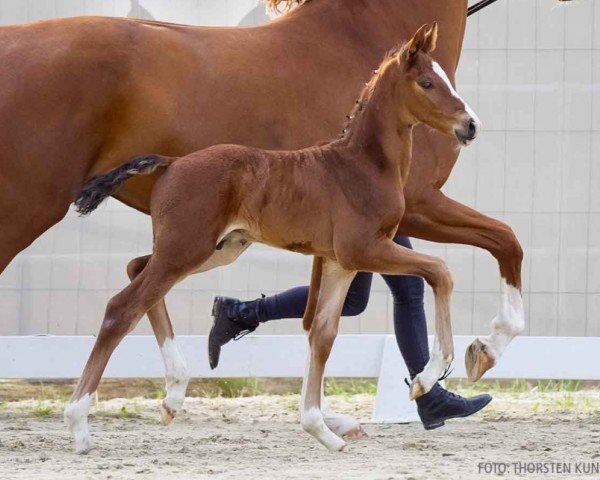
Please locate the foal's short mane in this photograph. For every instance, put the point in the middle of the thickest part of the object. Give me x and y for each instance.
(369, 88)
(284, 5)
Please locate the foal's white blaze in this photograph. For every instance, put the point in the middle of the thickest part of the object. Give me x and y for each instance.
(176, 377)
(441, 72)
(76, 418)
(509, 322)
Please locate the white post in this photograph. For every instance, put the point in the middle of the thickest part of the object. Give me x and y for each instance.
(392, 404)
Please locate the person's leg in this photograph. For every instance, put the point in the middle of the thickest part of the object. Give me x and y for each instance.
(292, 302)
(410, 327)
(234, 318)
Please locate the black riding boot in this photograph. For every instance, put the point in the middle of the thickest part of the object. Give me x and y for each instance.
(439, 405)
(232, 320)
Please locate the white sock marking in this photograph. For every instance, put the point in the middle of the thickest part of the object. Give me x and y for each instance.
(510, 320)
(313, 423)
(434, 369)
(76, 418)
(175, 374)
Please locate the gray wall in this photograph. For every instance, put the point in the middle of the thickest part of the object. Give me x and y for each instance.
(531, 70)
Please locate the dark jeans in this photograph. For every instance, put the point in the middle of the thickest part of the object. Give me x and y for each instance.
(409, 315)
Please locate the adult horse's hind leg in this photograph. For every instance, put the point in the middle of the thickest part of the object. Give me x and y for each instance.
(176, 377)
(440, 219)
(334, 285)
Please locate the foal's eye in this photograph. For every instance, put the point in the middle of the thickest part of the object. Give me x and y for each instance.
(426, 85)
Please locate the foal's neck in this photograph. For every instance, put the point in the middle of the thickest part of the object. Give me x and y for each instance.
(375, 130)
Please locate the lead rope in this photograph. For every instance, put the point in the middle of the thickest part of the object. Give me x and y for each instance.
(479, 6)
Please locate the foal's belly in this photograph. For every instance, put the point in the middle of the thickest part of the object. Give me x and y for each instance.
(307, 241)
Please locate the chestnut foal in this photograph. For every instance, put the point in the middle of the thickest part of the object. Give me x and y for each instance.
(342, 202)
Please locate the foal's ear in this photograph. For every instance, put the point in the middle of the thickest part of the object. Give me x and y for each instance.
(431, 38)
(424, 40)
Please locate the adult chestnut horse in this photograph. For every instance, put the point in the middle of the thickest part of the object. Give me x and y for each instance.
(81, 96)
(342, 201)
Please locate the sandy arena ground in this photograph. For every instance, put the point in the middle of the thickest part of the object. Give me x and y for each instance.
(259, 438)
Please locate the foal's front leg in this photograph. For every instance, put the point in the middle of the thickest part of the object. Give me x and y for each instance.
(387, 257)
(334, 285)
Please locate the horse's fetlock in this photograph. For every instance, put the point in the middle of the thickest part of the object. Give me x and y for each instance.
(312, 420)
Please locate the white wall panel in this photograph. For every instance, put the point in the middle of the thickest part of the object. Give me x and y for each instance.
(531, 69)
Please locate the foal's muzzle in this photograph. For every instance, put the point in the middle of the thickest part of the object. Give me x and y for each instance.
(467, 132)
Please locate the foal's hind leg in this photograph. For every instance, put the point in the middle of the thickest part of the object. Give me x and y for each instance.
(123, 312)
(333, 289)
(176, 377)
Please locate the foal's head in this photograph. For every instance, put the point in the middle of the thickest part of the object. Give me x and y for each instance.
(424, 92)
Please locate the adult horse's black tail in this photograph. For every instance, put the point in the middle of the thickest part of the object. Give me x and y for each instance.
(103, 186)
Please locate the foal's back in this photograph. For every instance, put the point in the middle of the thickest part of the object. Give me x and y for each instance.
(287, 199)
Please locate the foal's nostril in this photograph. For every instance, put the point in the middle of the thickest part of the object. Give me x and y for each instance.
(472, 128)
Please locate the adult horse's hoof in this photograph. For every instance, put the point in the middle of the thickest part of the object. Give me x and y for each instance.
(167, 415)
(478, 360)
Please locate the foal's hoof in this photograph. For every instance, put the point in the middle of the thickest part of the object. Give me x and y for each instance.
(83, 446)
(334, 444)
(357, 433)
(167, 415)
(478, 360)
(417, 389)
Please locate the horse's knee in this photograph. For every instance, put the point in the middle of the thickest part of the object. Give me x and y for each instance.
(509, 253)
(508, 245)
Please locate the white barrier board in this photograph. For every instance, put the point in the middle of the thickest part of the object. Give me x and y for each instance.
(49, 357)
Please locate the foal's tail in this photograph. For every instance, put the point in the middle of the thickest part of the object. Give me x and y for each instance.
(103, 186)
